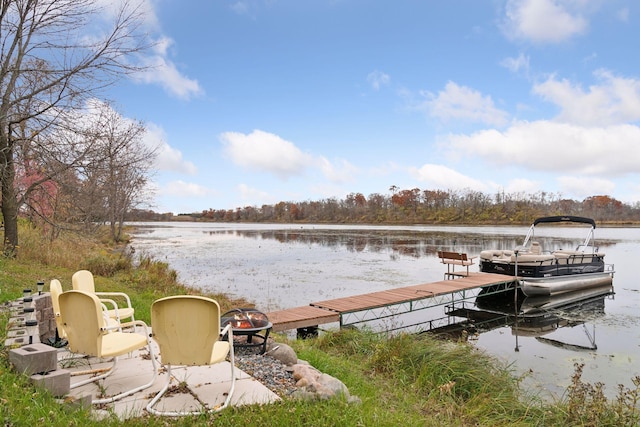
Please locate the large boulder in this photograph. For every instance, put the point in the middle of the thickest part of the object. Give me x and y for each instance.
(282, 352)
(313, 384)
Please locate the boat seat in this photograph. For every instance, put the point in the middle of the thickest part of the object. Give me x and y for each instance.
(535, 248)
(547, 259)
(495, 255)
(576, 257)
(567, 253)
(559, 254)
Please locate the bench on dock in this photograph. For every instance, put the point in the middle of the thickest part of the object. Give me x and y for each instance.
(451, 259)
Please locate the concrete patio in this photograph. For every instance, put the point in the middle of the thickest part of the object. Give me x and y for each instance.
(191, 387)
(204, 385)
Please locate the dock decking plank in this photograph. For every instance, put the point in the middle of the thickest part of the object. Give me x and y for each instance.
(330, 311)
(301, 317)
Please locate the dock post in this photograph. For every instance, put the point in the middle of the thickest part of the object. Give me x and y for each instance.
(308, 332)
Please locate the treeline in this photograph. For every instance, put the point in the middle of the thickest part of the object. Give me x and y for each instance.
(416, 206)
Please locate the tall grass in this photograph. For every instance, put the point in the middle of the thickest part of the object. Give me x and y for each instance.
(115, 268)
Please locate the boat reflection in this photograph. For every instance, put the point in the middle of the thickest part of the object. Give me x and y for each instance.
(530, 316)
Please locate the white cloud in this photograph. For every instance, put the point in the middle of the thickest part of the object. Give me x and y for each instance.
(542, 21)
(110, 9)
(623, 14)
(464, 103)
(169, 158)
(377, 79)
(341, 173)
(445, 178)
(185, 189)
(239, 7)
(158, 67)
(266, 152)
(556, 147)
(386, 169)
(615, 100)
(161, 70)
(521, 185)
(584, 186)
(515, 65)
(249, 193)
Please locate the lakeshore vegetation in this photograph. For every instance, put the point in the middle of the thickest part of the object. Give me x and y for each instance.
(418, 206)
(401, 379)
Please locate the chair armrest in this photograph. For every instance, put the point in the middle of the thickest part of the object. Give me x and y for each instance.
(109, 301)
(228, 330)
(118, 294)
(128, 324)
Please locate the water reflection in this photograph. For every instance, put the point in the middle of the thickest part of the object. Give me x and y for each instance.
(416, 244)
(528, 316)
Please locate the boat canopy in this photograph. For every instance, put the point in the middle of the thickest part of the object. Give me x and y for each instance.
(560, 218)
(565, 218)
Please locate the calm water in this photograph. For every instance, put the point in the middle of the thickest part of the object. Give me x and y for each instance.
(284, 266)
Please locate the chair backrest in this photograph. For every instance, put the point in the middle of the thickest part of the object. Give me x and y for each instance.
(82, 321)
(535, 249)
(82, 280)
(186, 328)
(55, 289)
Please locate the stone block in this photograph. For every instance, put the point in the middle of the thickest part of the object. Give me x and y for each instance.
(47, 313)
(34, 358)
(15, 342)
(17, 322)
(20, 332)
(83, 401)
(57, 382)
(41, 302)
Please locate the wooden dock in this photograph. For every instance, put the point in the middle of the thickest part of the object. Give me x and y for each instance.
(331, 311)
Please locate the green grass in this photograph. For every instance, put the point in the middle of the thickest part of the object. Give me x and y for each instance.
(401, 380)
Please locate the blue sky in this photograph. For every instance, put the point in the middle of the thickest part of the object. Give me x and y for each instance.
(259, 101)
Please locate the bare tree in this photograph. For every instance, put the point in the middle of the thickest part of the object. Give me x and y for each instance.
(128, 165)
(110, 165)
(50, 64)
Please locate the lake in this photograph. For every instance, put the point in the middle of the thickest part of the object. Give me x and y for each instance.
(279, 266)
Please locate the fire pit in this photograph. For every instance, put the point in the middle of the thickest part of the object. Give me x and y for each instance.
(248, 322)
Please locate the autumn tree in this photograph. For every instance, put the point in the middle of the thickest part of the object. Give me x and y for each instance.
(54, 55)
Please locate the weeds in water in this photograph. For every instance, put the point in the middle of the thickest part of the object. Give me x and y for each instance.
(626, 406)
(587, 404)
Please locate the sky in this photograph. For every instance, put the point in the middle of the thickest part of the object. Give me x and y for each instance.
(254, 102)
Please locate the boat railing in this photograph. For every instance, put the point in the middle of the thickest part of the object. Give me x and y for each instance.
(588, 238)
(525, 243)
(587, 249)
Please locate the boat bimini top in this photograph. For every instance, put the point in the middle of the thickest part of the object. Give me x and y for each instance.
(563, 218)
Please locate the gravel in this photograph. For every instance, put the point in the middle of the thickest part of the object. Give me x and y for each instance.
(272, 373)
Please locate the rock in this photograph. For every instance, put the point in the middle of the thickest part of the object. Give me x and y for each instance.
(313, 384)
(283, 353)
(309, 383)
(329, 386)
